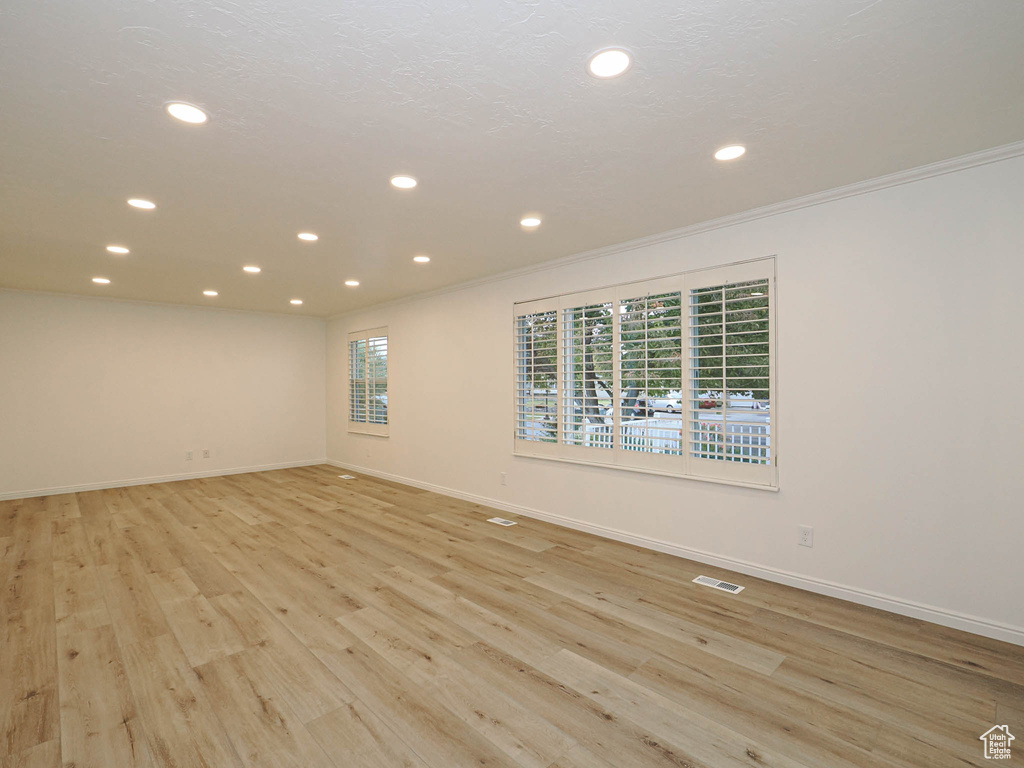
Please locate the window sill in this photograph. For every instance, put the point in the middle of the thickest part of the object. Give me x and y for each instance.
(374, 430)
(716, 480)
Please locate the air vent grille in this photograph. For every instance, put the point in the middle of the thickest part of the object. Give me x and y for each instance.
(347, 477)
(725, 586)
(500, 521)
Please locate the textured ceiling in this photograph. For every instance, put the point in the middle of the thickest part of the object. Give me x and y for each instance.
(316, 104)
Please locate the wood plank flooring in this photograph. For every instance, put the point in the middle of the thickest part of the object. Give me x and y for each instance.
(291, 618)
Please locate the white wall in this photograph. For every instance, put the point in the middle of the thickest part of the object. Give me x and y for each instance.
(903, 303)
(100, 392)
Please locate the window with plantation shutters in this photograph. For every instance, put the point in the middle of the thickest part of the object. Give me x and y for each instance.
(650, 360)
(672, 376)
(587, 369)
(731, 373)
(368, 381)
(729, 324)
(537, 377)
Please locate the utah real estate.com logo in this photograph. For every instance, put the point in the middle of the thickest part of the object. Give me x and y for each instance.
(997, 742)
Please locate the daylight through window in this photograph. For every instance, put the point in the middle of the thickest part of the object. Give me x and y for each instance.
(673, 376)
(368, 381)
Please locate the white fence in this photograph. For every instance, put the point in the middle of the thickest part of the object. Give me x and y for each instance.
(738, 441)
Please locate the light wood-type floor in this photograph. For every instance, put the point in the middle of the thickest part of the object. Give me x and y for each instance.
(291, 618)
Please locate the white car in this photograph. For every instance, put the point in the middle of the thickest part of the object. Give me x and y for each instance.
(648, 406)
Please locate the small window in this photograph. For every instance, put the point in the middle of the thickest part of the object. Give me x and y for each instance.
(368, 381)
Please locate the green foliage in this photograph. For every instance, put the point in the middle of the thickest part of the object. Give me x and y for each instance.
(651, 353)
(731, 335)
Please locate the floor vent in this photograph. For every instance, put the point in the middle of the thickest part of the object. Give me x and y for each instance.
(725, 586)
(347, 477)
(500, 521)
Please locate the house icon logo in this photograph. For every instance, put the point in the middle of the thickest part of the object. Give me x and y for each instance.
(997, 742)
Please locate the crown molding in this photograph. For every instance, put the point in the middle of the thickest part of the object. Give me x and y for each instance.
(921, 173)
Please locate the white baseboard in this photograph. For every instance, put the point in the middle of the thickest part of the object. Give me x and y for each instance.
(974, 624)
(150, 480)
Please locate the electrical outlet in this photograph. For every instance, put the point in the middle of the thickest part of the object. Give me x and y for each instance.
(206, 453)
(806, 538)
(188, 455)
(504, 478)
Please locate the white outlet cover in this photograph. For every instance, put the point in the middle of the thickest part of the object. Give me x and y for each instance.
(347, 477)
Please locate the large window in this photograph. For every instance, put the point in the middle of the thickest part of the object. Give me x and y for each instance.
(674, 375)
(368, 381)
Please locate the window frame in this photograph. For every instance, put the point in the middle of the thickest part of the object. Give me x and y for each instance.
(367, 427)
(686, 465)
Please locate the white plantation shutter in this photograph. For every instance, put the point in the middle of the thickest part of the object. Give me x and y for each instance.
(587, 374)
(536, 362)
(731, 351)
(673, 376)
(377, 379)
(357, 380)
(368, 381)
(650, 363)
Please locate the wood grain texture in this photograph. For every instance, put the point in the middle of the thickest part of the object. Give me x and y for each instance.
(290, 618)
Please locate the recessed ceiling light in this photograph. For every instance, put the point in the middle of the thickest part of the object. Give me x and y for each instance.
(251, 269)
(209, 293)
(146, 205)
(187, 113)
(421, 259)
(100, 280)
(296, 302)
(609, 63)
(403, 182)
(530, 222)
(351, 283)
(730, 152)
(308, 237)
(119, 249)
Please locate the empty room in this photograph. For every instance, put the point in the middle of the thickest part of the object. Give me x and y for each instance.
(511, 384)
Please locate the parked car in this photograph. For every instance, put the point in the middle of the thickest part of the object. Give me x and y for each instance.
(648, 406)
